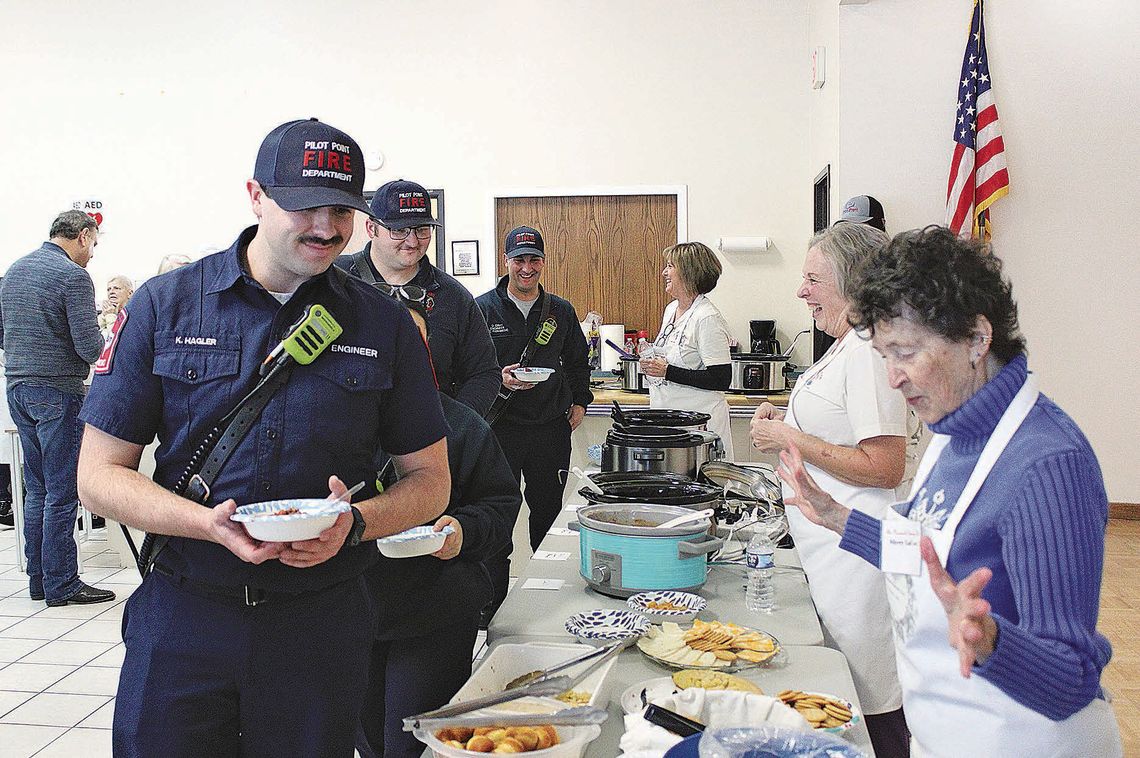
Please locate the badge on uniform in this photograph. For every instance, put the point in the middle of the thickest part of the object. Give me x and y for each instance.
(103, 365)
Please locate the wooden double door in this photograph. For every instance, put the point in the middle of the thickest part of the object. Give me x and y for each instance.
(603, 252)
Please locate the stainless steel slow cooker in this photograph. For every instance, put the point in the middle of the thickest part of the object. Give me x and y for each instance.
(659, 449)
(623, 551)
(757, 373)
(632, 377)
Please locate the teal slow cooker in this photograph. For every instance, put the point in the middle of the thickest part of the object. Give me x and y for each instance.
(624, 551)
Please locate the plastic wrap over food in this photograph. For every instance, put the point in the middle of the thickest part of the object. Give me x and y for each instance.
(773, 742)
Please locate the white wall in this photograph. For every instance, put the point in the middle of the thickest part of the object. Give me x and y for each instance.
(471, 97)
(1065, 83)
(159, 112)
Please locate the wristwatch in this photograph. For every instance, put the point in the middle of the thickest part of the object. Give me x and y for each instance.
(357, 530)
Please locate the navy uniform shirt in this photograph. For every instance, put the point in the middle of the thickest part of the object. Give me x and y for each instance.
(566, 353)
(461, 349)
(189, 350)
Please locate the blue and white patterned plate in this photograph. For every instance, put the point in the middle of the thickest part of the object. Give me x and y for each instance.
(601, 626)
(693, 605)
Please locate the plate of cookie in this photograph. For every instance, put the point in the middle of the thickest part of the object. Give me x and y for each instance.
(826, 713)
(637, 696)
(709, 645)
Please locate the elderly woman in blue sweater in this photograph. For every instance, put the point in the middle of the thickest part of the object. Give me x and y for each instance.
(1000, 547)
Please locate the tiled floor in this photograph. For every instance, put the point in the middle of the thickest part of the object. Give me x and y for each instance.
(59, 667)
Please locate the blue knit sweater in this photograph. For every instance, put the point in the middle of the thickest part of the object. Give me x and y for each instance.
(1038, 523)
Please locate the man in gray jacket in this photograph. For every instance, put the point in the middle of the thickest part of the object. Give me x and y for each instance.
(50, 335)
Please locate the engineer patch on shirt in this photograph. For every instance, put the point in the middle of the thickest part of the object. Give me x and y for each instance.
(103, 365)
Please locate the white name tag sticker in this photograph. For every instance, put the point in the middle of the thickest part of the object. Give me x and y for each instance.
(547, 555)
(561, 531)
(543, 584)
(900, 550)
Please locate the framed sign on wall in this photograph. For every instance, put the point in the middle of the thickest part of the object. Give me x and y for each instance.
(465, 257)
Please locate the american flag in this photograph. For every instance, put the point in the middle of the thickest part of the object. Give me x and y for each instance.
(978, 176)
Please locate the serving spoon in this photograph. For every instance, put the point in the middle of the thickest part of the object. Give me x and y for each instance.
(694, 516)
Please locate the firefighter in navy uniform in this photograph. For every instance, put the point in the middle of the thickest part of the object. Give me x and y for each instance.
(395, 260)
(234, 646)
(535, 423)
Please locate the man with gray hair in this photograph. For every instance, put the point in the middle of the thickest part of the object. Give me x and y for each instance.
(50, 335)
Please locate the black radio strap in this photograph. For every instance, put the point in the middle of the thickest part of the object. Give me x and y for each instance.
(221, 443)
(505, 392)
(363, 267)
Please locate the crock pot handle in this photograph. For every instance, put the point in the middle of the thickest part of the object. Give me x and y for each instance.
(574, 526)
(690, 549)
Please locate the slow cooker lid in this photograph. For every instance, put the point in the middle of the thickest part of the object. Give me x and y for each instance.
(758, 357)
(604, 478)
(652, 436)
(659, 417)
(689, 493)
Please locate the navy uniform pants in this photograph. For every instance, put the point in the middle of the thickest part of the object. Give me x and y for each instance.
(410, 676)
(211, 676)
(538, 453)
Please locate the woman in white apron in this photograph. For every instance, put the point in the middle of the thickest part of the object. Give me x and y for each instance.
(1008, 506)
(850, 428)
(689, 367)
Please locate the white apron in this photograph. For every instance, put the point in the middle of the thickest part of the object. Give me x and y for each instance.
(679, 397)
(949, 715)
(848, 592)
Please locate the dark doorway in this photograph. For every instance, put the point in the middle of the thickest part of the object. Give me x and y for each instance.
(821, 219)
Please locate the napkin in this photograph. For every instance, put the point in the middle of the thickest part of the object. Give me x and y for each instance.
(714, 708)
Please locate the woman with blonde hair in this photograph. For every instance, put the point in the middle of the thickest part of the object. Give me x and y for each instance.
(119, 290)
(689, 366)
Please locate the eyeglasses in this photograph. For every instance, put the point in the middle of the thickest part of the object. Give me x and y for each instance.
(664, 335)
(410, 292)
(422, 232)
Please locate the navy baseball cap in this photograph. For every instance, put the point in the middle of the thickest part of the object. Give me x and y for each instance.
(862, 209)
(309, 164)
(401, 204)
(525, 241)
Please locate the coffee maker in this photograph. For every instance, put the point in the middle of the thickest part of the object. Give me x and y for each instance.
(763, 337)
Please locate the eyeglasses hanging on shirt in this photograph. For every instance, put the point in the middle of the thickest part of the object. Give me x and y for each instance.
(663, 337)
(411, 292)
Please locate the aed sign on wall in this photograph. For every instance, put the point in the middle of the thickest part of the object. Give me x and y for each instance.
(93, 208)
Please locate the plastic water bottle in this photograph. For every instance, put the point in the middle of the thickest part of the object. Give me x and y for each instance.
(642, 345)
(760, 592)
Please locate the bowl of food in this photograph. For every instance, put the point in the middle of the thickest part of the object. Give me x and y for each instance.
(540, 741)
(292, 520)
(419, 540)
(507, 662)
(603, 626)
(532, 374)
(667, 605)
(544, 741)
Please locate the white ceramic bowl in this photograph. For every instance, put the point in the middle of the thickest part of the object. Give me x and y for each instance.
(533, 375)
(602, 626)
(693, 604)
(314, 515)
(419, 540)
